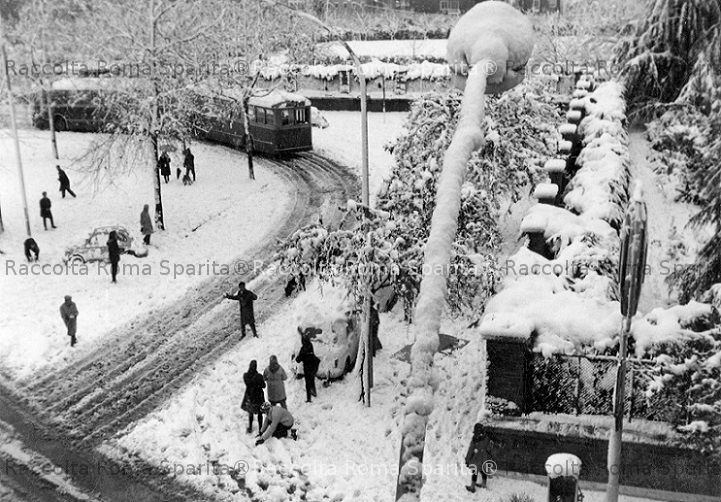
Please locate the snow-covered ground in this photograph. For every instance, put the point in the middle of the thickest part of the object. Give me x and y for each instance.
(345, 451)
(342, 142)
(670, 244)
(211, 222)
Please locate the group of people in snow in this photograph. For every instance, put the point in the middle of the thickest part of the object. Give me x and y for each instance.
(30, 245)
(265, 393)
(188, 164)
(278, 420)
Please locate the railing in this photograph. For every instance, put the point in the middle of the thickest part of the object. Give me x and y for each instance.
(450, 7)
(583, 385)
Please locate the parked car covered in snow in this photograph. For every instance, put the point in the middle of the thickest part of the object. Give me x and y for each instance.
(95, 247)
(334, 328)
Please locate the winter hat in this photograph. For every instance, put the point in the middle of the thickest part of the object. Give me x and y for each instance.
(68, 298)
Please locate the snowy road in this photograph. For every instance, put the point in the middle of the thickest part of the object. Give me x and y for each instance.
(138, 365)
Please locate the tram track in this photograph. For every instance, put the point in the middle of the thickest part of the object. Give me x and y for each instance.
(141, 364)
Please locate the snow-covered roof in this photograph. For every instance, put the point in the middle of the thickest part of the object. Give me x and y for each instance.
(279, 99)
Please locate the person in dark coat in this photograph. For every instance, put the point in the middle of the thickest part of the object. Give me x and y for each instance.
(164, 166)
(310, 361)
(64, 182)
(479, 453)
(69, 313)
(31, 248)
(253, 398)
(245, 299)
(375, 323)
(146, 224)
(275, 376)
(45, 212)
(189, 163)
(113, 254)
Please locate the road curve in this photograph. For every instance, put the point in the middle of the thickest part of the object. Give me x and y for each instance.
(142, 363)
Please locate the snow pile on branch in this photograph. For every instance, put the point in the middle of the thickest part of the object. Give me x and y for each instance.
(599, 188)
(667, 326)
(497, 38)
(481, 32)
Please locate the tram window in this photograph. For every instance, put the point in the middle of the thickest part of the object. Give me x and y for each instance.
(300, 116)
(251, 113)
(269, 116)
(284, 117)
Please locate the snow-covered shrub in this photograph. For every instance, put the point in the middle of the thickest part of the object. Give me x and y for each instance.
(516, 128)
(688, 145)
(519, 497)
(500, 406)
(688, 373)
(673, 53)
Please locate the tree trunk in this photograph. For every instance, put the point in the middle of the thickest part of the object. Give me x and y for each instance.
(51, 125)
(468, 137)
(248, 139)
(159, 217)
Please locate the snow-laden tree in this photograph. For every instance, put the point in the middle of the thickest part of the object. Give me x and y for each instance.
(673, 53)
(518, 129)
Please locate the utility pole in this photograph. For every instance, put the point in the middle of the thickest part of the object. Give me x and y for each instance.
(365, 194)
(13, 124)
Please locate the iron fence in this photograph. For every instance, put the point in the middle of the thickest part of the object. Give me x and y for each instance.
(583, 385)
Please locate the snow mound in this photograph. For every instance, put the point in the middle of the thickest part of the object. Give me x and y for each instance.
(563, 465)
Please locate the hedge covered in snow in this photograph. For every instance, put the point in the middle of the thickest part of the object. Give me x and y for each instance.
(600, 187)
(568, 303)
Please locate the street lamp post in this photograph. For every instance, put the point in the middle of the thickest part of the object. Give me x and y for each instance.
(14, 125)
(631, 271)
(365, 194)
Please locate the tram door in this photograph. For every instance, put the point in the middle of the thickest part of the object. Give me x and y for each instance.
(344, 81)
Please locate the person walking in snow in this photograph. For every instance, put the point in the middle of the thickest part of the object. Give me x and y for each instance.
(278, 422)
(275, 377)
(245, 299)
(189, 163)
(69, 314)
(45, 212)
(479, 457)
(146, 224)
(64, 182)
(164, 166)
(113, 254)
(310, 361)
(253, 398)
